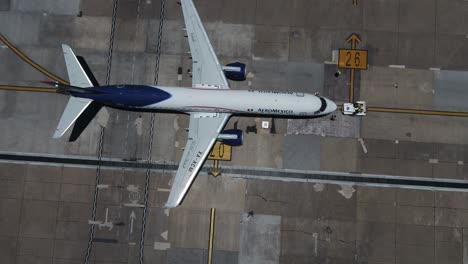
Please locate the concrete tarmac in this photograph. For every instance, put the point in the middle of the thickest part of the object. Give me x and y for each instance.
(287, 45)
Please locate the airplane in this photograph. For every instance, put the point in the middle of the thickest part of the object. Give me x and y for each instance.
(209, 102)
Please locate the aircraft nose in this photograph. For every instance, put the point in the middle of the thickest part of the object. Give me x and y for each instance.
(331, 106)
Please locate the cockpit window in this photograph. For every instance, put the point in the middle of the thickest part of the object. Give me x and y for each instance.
(324, 104)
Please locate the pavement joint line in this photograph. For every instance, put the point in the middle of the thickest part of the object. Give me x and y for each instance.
(348, 178)
(78, 157)
(287, 179)
(136, 165)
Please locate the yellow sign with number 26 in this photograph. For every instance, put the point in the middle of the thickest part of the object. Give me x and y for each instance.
(352, 59)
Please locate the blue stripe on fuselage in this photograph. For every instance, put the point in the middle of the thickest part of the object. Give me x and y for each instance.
(126, 95)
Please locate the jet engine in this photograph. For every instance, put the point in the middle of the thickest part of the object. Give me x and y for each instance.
(231, 137)
(235, 71)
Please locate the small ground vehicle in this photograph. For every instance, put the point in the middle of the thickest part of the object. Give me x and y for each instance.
(358, 108)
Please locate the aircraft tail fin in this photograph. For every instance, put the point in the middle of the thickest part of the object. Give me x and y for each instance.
(81, 110)
(87, 70)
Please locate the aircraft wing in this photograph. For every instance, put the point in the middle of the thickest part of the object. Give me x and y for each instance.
(203, 132)
(206, 69)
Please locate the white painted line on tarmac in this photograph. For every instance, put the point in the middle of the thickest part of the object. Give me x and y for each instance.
(396, 66)
(315, 235)
(364, 149)
(132, 219)
(164, 234)
(161, 246)
(133, 205)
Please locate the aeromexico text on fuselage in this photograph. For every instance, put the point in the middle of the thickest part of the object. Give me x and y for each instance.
(145, 97)
(275, 111)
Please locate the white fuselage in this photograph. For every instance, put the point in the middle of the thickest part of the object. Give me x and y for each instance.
(244, 102)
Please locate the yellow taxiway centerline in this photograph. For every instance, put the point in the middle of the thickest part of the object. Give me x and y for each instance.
(416, 111)
(54, 77)
(351, 86)
(211, 238)
(412, 111)
(27, 89)
(31, 62)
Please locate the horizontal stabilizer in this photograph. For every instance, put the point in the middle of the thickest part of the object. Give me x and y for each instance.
(76, 74)
(83, 120)
(75, 107)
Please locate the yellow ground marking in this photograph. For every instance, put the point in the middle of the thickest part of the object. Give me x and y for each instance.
(352, 59)
(412, 111)
(220, 151)
(27, 89)
(416, 111)
(216, 170)
(31, 62)
(210, 241)
(351, 86)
